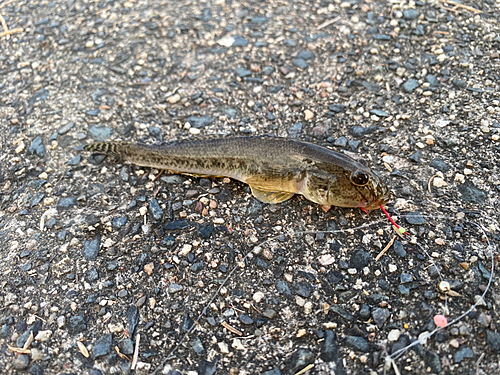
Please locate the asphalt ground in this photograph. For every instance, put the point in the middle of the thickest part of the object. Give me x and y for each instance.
(101, 258)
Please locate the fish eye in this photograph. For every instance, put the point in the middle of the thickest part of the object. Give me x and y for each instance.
(363, 162)
(359, 178)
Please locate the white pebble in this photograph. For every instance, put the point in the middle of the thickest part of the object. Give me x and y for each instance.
(174, 99)
(393, 335)
(258, 296)
(309, 115)
(439, 182)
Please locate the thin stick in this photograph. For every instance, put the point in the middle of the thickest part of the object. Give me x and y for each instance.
(136, 351)
(6, 3)
(4, 24)
(458, 5)
(328, 23)
(10, 32)
(391, 242)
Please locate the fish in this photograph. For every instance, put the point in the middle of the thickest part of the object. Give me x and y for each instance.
(275, 168)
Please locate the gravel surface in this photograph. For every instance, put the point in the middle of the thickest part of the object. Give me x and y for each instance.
(96, 254)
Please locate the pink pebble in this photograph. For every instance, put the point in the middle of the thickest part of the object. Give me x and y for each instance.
(440, 320)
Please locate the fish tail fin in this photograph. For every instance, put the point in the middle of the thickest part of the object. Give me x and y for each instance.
(119, 149)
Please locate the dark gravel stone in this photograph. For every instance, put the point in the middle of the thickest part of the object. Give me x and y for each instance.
(399, 249)
(224, 195)
(66, 203)
(230, 112)
(283, 288)
(206, 367)
(245, 319)
(410, 14)
(341, 312)
(36, 199)
(460, 83)
(206, 231)
(239, 41)
(91, 248)
(406, 278)
(76, 160)
(493, 340)
(132, 315)
(274, 371)
(305, 55)
(176, 225)
(155, 209)
(433, 361)
(419, 30)
(440, 165)
(187, 323)
(341, 142)
(77, 324)
(173, 179)
(463, 352)
(381, 37)
(66, 128)
(300, 63)
(330, 352)
(415, 218)
(100, 133)
(359, 259)
(300, 359)
(258, 20)
(380, 315)
(91, 275)
(358, 343)
(126, 346)
(37, 147)
(364, 312)
(95, 188)
(410, 85)
(416, 157)
(242, 72)
(103, 345)
(21, 362)
(197, 267)
(334, 276)
(36, 369)
(337, 108)
(40, 95)
(155, 132)
(303, 289)
(200, 121)
(119, 222)
(379, 112)
(372, 87)
(403, 341)
(471, 194)
(295, 130)
(432, 79)
(430, 294)
(361, 131)
(92, 112)
(168, 241)
(197, 345)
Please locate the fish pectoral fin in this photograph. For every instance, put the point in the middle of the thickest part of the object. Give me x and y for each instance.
(267, 196)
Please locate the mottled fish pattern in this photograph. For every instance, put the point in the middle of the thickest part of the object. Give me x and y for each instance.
(275, 168)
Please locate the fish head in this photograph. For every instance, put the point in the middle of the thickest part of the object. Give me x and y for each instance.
(348, 184)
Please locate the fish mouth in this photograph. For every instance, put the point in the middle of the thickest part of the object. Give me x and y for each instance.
(375, 204)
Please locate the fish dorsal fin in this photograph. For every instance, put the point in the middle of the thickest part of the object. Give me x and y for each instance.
(267, 196)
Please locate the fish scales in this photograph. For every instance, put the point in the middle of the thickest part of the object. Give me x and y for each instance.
(275, 168)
